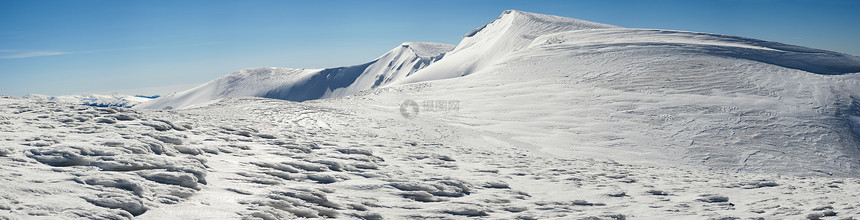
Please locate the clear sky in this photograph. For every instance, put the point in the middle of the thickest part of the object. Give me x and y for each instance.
(145, 47)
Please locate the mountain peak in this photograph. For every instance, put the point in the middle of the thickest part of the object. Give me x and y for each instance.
(524, 13)
(523, 18)
(511, 31)
(427, 49)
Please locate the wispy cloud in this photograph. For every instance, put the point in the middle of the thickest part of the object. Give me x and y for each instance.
(204, 44)
(14, 54)
(117, 49)
(18, 54)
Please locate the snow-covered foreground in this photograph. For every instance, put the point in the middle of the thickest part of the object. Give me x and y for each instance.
(270, 159)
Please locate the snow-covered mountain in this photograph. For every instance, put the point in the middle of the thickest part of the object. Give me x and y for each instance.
(307, 84)
(726, 128)
(116, 100)
(573, 87)
(655, 97)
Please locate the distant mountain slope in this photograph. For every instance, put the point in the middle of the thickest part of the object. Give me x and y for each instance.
(306, 84)
(399, 63)
(96, 100)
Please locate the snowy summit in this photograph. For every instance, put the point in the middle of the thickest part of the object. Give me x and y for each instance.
(530, 116)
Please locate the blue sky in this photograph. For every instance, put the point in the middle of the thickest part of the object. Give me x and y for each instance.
(101, 46)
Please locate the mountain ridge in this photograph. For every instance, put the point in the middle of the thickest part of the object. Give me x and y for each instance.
(307, 84)
(485, 46)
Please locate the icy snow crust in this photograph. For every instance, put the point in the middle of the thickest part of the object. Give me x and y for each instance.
(558, 119)
(273, 159)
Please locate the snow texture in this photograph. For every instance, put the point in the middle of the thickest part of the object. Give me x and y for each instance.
(273, 159)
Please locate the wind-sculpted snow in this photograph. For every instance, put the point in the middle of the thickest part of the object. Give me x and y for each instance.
(789, 56)
(80, 161)
(272, 159)
(307, 160)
